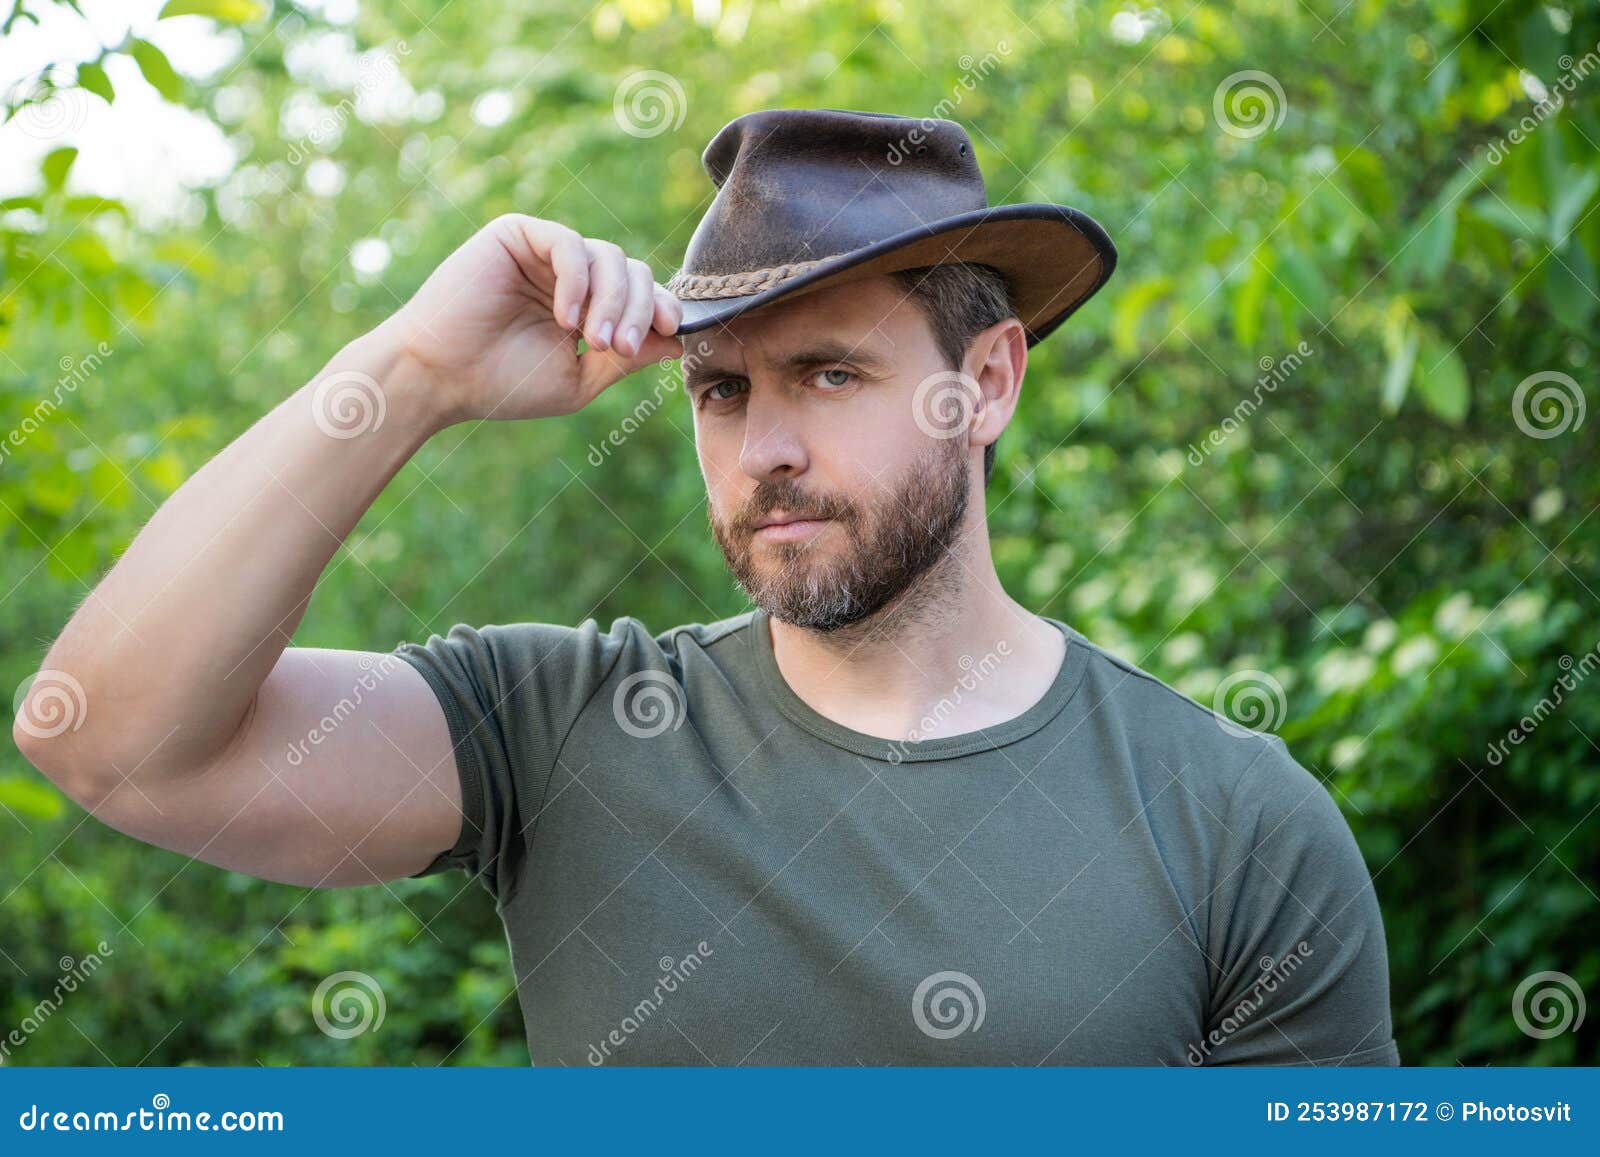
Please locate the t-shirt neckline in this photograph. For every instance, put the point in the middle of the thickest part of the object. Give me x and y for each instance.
(801, 713)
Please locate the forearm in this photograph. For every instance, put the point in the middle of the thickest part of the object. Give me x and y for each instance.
(171, 647)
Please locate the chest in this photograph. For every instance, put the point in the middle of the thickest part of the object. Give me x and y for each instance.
(727, 918)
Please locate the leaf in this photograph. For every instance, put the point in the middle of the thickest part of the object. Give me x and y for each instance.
(89, 206)
(1304, 280)
(228, 11)
(157, 69)
(1442, 379)
(1571, 198)
(29, 798)
(1569, 286)
(1131, 308)
(1401, 340)
(55, 166)
(92, 76)
(1248, 301)
(1512, 217)
(1434, 243)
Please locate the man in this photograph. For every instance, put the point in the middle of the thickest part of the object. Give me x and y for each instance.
(887, 816)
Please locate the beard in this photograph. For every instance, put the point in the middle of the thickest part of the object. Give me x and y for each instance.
(888, 545)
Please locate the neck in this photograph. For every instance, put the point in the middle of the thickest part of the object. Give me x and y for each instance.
(954, 636)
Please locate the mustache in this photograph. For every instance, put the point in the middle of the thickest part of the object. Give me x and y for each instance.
(763, 504)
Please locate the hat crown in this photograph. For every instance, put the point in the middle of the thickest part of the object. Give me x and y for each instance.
(799, 185)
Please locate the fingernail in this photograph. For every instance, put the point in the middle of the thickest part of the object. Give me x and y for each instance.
(572, 316)
(632, 338)
(605, 333)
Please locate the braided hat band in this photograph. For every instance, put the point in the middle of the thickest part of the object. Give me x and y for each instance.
(708, 286)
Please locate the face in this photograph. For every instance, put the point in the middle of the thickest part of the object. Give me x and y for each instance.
(835, 447)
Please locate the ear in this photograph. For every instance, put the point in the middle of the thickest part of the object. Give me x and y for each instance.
(997, 359)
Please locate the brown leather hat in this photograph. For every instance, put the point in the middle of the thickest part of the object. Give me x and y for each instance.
(808, 198)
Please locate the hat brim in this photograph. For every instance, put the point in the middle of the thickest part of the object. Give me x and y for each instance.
(1054, 257)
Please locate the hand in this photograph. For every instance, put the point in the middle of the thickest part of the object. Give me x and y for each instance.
(495, 328)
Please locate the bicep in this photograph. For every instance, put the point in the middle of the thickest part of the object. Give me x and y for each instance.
(342, 773)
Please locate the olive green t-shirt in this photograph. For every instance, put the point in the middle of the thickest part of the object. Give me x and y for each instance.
(693, 866)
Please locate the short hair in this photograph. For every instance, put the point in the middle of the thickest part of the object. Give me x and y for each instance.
(960, 300)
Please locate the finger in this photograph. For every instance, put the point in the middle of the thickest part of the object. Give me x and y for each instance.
(547, 253)
(668, 314)
(570, 260)
(635, 319)
(608, 291)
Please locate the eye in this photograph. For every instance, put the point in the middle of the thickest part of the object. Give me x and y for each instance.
(829, 381)
(710, 392)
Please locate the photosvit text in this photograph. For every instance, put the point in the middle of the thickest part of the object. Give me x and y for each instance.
(1421, 1111)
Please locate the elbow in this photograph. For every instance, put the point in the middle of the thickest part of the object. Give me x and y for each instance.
(47, 732)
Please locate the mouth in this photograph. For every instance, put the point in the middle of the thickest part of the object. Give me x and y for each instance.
(789, 528)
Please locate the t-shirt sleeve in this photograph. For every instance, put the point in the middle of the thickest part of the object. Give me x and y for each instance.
(510, 695)
(1298, 960)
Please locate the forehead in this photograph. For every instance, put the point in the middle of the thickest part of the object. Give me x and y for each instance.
(870, 320)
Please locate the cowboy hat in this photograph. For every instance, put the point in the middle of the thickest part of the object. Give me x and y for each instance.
(810, 198)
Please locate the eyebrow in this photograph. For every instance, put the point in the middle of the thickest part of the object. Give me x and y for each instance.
(823, 352)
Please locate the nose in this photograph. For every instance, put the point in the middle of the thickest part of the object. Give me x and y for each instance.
(773, 445)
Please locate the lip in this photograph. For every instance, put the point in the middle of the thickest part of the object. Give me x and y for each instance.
(785, 529)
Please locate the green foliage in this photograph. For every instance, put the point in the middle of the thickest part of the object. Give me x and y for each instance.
(1368, 523)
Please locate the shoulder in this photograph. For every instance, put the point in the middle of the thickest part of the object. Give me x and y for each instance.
(1170, 736)
(628, 644)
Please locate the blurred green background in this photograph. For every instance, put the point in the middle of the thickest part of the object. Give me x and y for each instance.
(1294, 439)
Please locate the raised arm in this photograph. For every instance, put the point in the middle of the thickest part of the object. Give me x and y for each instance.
(171, 706)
